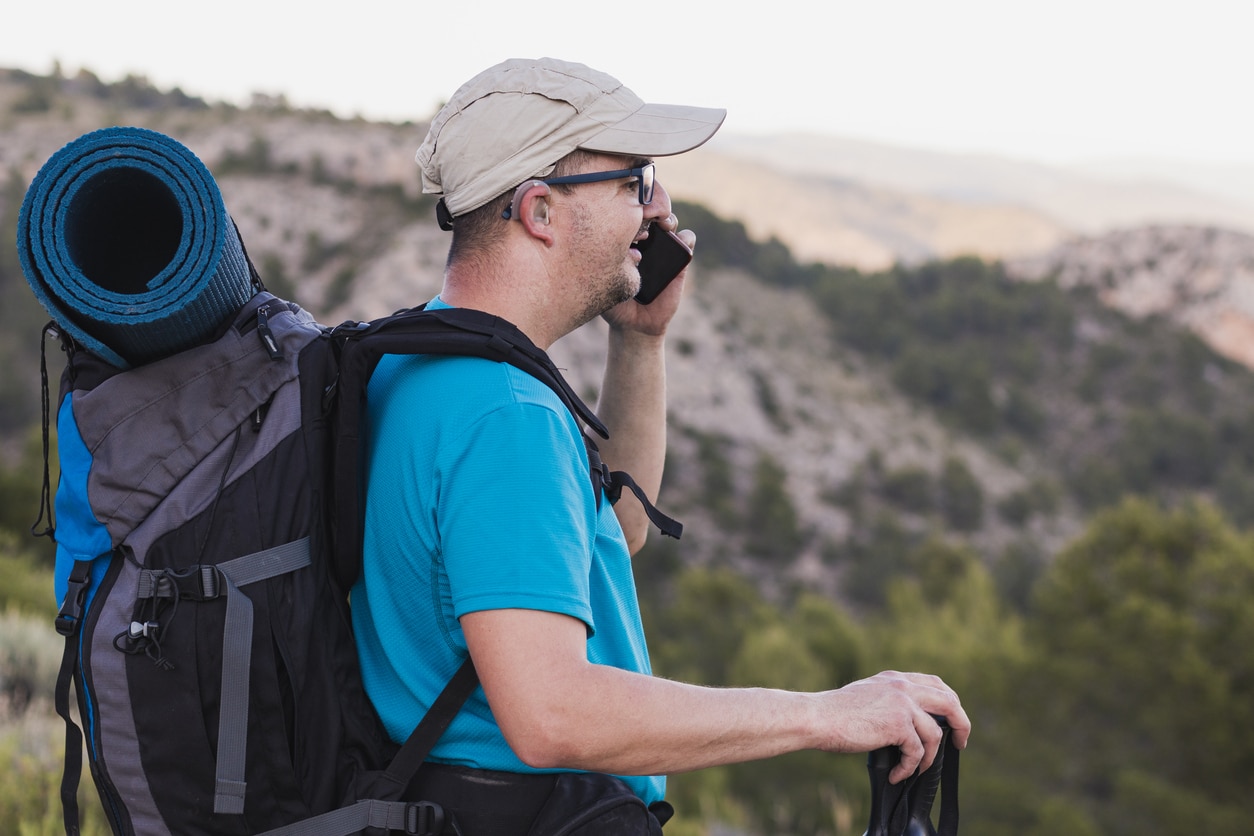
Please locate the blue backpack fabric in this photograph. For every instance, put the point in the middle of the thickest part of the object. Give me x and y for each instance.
(207, 531)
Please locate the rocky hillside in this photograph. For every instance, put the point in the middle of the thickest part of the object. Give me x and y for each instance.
(799, 444)
(1199, 277)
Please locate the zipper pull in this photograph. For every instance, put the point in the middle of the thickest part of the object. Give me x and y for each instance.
(266, 335)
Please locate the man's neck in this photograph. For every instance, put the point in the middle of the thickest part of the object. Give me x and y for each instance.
(523, 303)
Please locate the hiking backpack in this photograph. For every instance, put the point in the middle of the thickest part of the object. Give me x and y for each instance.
(208, 528)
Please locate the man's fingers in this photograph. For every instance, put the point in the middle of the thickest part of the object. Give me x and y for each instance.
(900, 709)
(919, 749)
(926, 697)
(941, 700)
(912, 753)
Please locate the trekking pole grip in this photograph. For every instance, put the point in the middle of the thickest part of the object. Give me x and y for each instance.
(905, 808)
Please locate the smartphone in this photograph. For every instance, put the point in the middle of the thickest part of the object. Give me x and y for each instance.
(662, 257)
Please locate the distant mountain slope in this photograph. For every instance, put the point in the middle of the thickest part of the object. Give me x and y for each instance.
(1084, 200)
(848, 220)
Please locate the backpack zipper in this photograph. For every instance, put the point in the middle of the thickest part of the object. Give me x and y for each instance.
(266, 334)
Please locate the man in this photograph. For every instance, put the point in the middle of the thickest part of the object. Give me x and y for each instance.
(482, 533)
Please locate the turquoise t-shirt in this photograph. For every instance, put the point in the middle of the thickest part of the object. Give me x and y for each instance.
(478, 498)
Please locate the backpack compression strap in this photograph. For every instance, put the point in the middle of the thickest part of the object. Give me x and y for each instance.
(204, 583)
(208, 582)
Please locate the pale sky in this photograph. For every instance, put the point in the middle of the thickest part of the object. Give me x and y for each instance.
(1060, 81)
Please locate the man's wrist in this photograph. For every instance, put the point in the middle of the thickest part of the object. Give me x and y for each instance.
(636, 342)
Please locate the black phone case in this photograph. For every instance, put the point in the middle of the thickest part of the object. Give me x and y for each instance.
(662, 257)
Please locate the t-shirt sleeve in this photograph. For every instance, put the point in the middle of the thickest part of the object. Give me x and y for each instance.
(516, 507)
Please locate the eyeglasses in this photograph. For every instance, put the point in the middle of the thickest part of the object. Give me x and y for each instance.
(643, 175)
(644, 182)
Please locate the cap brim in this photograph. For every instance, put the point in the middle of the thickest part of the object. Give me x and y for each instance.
(657, 130)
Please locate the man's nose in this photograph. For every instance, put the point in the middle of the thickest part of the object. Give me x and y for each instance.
(660, 206)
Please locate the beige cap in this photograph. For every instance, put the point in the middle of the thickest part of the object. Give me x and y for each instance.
(514, 121)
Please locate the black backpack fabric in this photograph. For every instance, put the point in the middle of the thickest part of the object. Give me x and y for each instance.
(208, 530)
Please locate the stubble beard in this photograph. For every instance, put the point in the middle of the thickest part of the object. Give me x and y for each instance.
(604, 284)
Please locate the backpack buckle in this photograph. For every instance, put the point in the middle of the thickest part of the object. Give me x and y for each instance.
(424, 819)
(195, 583)
(75, 595)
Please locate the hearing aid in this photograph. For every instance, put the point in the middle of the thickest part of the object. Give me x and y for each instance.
(542, 213)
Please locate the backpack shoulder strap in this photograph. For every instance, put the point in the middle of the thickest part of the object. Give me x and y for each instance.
(422, 740)
(379, 809)
(449, 332)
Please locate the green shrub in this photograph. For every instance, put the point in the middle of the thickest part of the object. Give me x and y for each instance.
(768, 401)
(910, 489)
(772, 526)
(1149, 611)
(30, 656)
(961, 498)
(31, 755)
(875, 556)
(718, 486)
(27, 583)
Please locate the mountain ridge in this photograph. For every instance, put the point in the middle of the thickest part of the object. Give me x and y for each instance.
(1083, 198)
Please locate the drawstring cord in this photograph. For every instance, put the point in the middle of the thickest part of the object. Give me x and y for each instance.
(45, 405)
(145, 636)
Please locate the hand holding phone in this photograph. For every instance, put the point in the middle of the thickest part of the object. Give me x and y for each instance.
(663, 256)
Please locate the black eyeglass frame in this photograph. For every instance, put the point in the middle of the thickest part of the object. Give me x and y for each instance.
(644, 184)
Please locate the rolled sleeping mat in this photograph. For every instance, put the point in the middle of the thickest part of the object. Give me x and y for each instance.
(126, 242)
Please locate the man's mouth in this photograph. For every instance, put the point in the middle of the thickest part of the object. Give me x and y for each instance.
(642, 235)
